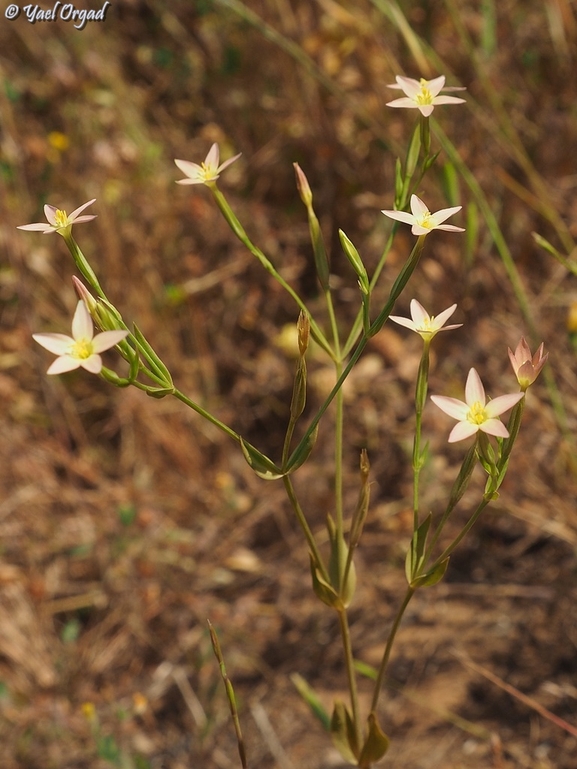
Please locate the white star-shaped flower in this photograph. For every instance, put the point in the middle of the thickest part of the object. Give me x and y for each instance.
(424, 324)
(475, 413)
(423, 94)
(208, 171)
(422, 220)
(82, 348)
(59, 221)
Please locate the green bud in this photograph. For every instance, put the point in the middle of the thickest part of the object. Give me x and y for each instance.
(355, 259)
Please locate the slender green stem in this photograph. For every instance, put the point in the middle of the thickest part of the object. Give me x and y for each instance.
(388, 648)
(350, 668)
(338, 416)
(420, 398)
(209, 417)
(305, 527)
(240, 233)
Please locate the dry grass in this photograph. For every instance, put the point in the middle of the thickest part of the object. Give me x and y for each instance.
(126, 522)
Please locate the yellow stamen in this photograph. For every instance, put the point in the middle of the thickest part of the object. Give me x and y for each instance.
(477, 414)
(82, 349)
(61, 218)
(424, 96)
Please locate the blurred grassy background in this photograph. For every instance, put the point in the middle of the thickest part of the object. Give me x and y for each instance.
(126, 522)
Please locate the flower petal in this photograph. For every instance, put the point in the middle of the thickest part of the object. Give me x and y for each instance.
(192, 170)
(212, 158)
(444, 316)
(450, 228)
(418, 313)
(447, 100)
(474, 390)
(404, 102)
(50, 214)
(107, 339)
(63, 364)
(74, 215)
(494, 427)
(59, 344)
(451, 406)
(92, 364)
(403, 322)
(436, 85)
(439, 216)
(37, 227)
(400, 216)
(228, 162)
(418, 208)
(425, 109)
(82, 327)
(502, 403)
(408, 85)
(461, 431)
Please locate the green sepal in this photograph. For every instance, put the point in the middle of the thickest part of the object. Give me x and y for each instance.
(344, 734)
(319, 250)
(376, 744)
(299, 396)
(399, 185)
(413, 152)
(339, 556)
(263, 466)
(154, 361)
(432, 577)
(323, 591)
(113, 378)
(356, 262)
(311, 698)
(159, 392)
(415, 555)
(429, 162)
(300, 456)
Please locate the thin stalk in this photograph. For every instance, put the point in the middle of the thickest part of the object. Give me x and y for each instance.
(338, 416)
(388, 648)
(305, 527)
(420, 398)
(203, 413)
(350, 668)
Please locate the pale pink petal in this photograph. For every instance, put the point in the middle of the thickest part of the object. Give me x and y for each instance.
(474, 390)
(59, 344)
(436, 85)
(494, 427)
(74, 215)
(63, 364)
(449, 228)
(82, 327)
(212, 158)
(403, 322)
(451, 406)
(50, 213)
(418, 229)
(107, 339)
(439, 216)
(461, 431)
(418, 208)
(409, 85)
(447, 100)
(400, 216)
(80, 219)
(502, 403)
(418, 313)
(192, 170)
(228, 162)
(190, 181)
(444, 316)
(404, 102)
(92, 364)
(38, 227)
(425, 109)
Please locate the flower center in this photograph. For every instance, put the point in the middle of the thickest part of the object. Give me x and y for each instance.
(82, 349)
(424, 96)
(61, 218)
(477, 414)
(426, 221)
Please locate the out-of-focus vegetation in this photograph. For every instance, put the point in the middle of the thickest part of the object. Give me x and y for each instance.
(126, 522)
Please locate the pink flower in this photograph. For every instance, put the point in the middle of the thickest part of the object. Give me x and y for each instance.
(423, 94)
(82, 348)
(475, 413)
(59, 221)
(423, 220)
(424, 324)
(208, 171)
(527, 368)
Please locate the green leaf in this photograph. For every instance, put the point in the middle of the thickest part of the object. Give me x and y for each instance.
(303, 453)
(433, 576)
(323, 591)
(415, 555)
(154, 361)
(343, 733)
(311, 698)
(264, 467)
(376, 744)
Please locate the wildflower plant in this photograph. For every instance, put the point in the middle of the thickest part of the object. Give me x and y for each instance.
(358, 733)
